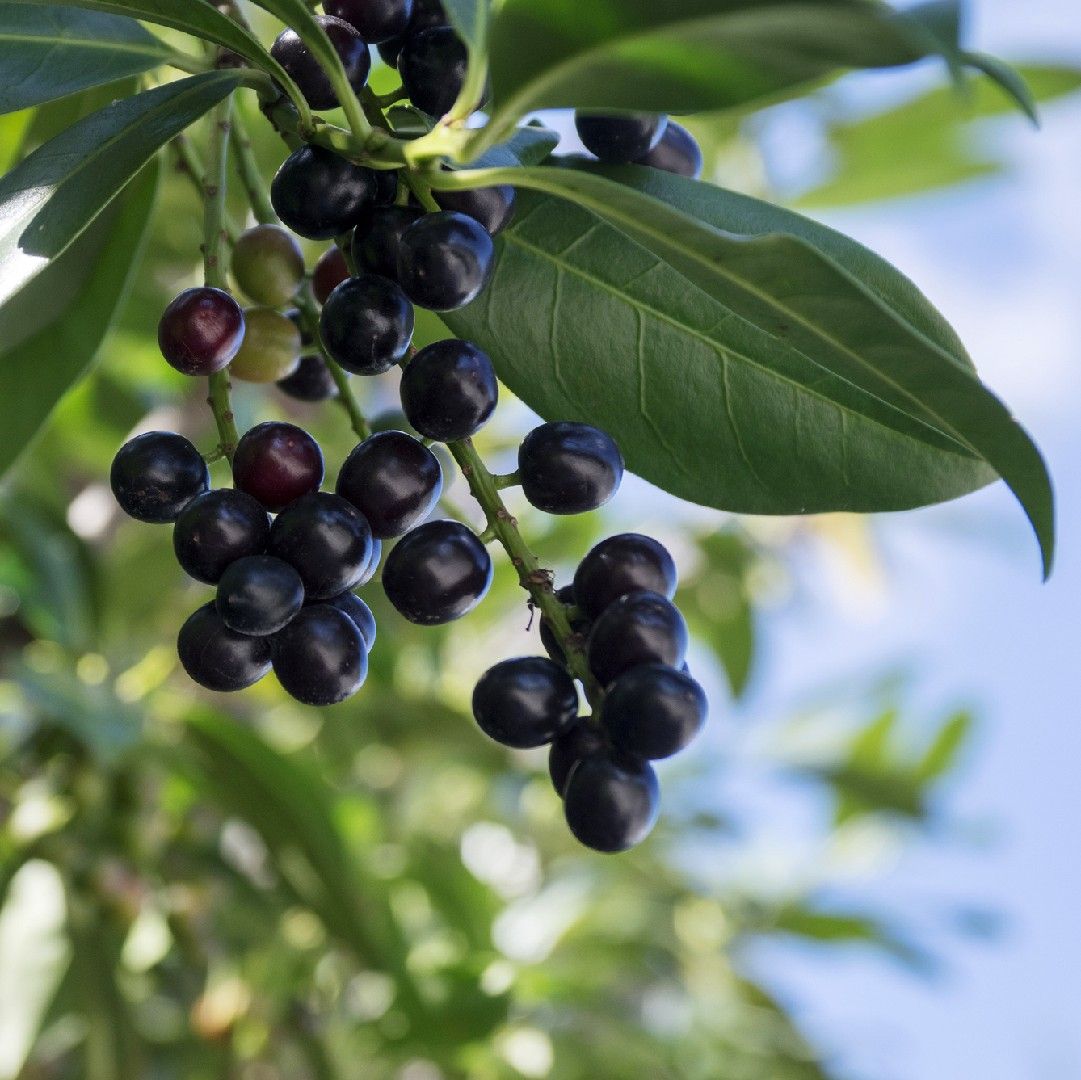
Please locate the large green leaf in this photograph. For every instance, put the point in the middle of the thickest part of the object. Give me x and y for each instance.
(806, 375)
(50, 197)
(50, 52)
(71, 307)
(470, 19)
(691, 55)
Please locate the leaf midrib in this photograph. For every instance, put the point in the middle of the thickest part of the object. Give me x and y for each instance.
(157, 48)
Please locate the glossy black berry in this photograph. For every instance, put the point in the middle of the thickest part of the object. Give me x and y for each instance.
(216, 529)
(360, 613)
(218, 658)
(569, 468)
(449, 390)
(320, 195)
(393, 480)
(330, 271)
(277, 463)
(639, 628)
(375, 20)
(622, 139)
(258, 595)
(201, 331)
(437, 573)
(677, 152)
(326, 540)
(319, 658)
(367, 324)
(580, 625)
(493, 207)
(611, 802)
(653, 711)
(426, 14)
(619, 565)
(154, 476)
(525, 702)
(433, 64)
(377, 239)
(311, 381)
(373, 563)
(568, 749)
(445, 260)
(308, 73)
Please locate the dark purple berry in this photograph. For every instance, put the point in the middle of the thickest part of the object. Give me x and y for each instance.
(277, 463)
(677, 152)
(653, 711)
(154, 476)
(360, 613)
(621, 139)
(619, 565)
(218, 658)
(449, 390)
(319, 657)
(320, 195)
(393, 480)
(569, 468)
(375, 20)
(326, 540)
(426, 14)
(493, 207)
(568, 749)
(373, 563)
(639, 628)
(311, 381)
(308, 73)
(445, 260)
(258, 595)
(437, 573)
(377, 239)
(367, 324)
(525, 702)
(330, 271)
(611, 802)
(201, 331)
(433, 65)
(216, 529)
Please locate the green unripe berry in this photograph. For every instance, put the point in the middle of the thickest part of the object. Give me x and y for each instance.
(268, 265)
(271, 348)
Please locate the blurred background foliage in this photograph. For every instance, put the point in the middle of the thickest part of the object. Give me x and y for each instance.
(194, 886)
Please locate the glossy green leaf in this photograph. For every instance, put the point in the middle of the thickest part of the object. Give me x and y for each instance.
(470, 19)
(529, 145)
(806, 375)
(50, 52)
(50, 197)
(689, 55)
(70, 308)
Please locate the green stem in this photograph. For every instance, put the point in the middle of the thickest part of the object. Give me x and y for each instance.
(251, 177)
(190, 164)
(214, 235)
(533, 578)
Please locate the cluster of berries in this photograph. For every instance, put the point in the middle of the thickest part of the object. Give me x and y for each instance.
(648, 707)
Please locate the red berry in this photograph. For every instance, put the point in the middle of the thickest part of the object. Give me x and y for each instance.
(277, 463)
(201, 331)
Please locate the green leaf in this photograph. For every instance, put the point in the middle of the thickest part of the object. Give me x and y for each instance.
(529, 145)
(50, 197)
(48, 53)
(946, 747)
(689, 55)
(807, 375)
(470, 20)
(53, 329)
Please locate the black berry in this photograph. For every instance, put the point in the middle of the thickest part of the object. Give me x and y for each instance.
(218, 658)
(620, 139)
(433, 64)
(569, 468)
(259, 594)
(375, 20)
(639, 628)
(201, 331)
(326, 540)
(653, 711)
(311, 381)
(568, 749)
(449, 390)
(620, 565)
(611, 802)
(307, 72)
(373, 563)
(367, 324)
(154, 476)
(445, 260)
(359, 612)
(426, 14)
(525, 702)
(330, 271)
(393, 480)
(216, 529)
(377, 239)
(493, 207)
(277, 463)
(319, 657)
(320, 195)
(677, 152)
(268, 265)
(437, 573)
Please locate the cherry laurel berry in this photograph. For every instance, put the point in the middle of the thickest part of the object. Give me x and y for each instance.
(677, 152)
(569, 468)
(320, 195)
(308, 73)
(375, 20)
(367, 324)
(449, 390)
(217, 529)
(525, 702)
(218, 658)
(581, 741)
(621, 139)
(445, 260)
(201, 331)
(258, 595)
(357, 610)
(311, 381)
(320, 658)
(611, 802)
(653, 711)
(277, 463)
(154, 476)
(619, 565)
(433, 65)
(639, 628)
